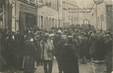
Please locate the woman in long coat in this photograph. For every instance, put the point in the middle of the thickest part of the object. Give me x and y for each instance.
(48, 54)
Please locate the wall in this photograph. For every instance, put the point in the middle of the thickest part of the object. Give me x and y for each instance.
(50, 15)
(19, 11)
(101, 15)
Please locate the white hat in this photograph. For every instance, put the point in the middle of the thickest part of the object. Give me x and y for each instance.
(70, 36)
(51, 35)
(59, 31)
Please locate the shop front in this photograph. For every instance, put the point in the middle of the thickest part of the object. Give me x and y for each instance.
(27, 21)
(26, 15)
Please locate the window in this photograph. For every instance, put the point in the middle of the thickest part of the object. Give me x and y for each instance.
(41, 21)
(30, 1)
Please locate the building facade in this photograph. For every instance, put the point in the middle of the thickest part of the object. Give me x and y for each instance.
(69, 13)
(44, 14)
(104, 16)
(5, 14)
(109, 15)
(24, 15)
(49, 13)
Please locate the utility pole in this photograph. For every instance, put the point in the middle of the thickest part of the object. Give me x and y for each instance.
(58, 9)
(96, 16)
(3, 16)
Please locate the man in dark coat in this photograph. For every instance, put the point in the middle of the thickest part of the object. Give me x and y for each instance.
(10, 51)
(58, 50)
(29, 56)
(66, 54)
(69, 57)
(100, 47)
(2, 43)
(108, 48)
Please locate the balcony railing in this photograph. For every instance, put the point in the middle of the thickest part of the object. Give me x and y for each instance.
(30, 2)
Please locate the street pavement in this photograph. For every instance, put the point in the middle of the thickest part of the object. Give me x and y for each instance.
(83, 68)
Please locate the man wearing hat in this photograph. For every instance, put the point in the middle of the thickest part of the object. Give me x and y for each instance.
(58, 45)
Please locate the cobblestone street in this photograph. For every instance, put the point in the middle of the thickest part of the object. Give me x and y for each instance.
(84, 68)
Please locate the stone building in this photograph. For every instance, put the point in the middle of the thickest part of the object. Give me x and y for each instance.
(5, 14)
(49, 13)
(24, 14)
(104, 16)
(41, 13)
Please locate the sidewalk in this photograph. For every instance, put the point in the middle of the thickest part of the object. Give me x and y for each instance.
(100, 68)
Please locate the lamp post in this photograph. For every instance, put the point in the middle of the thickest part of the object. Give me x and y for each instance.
(78, 15)
(36, 2)
(97, 2)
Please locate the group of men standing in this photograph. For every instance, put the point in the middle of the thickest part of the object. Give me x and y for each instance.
(20, 51)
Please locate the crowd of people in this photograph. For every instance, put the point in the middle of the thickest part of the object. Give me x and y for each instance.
(70, 46)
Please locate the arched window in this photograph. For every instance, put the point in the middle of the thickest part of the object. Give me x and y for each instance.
(85, 21)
